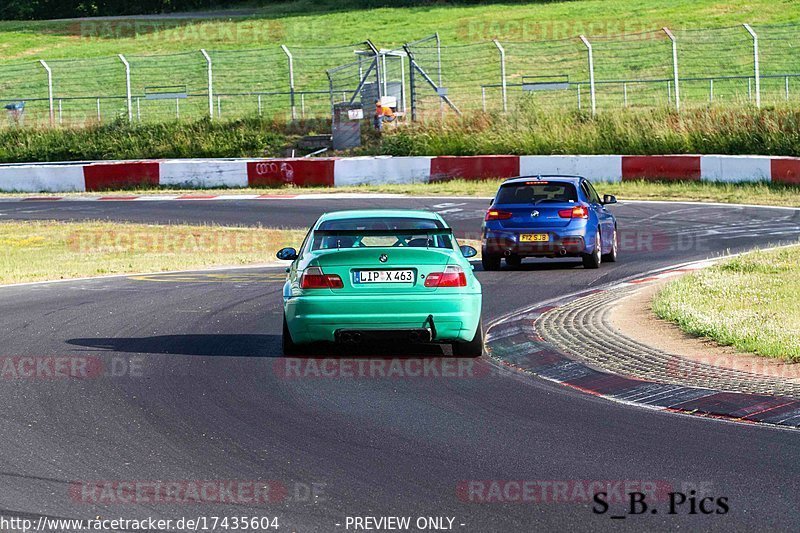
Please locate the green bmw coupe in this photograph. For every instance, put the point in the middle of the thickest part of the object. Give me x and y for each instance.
(381, 274)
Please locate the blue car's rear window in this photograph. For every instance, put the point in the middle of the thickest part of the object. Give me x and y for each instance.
(536, 192)
(374, 223)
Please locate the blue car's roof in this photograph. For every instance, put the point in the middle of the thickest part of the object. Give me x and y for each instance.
(379, 213)
(560, 177)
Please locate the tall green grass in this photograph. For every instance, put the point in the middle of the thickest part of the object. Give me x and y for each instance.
(769, 131)
(119, 140)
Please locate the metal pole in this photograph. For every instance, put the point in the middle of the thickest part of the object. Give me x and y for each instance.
(219, 106)
(403, 84)
(330, 85)
(412, 87)
(303, 105)
(787, 88)
(483, 98)
(99, 118)
(502, 74)
(591, 73)
(711, 91)
(259, 105)
(377, 65)
(674, 67)
(49, 90)
(210, 84)
(127, 86)
(138, 111)
(385, 76)
(756, 67)
(60, 116)
(439, 68)
(625, 94)
(579, 97)
(291, 79)
(749, 90)
(177, 109)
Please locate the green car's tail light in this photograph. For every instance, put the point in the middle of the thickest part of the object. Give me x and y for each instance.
(453, 276)
(496, 214)
(314, 278)
(579, 211)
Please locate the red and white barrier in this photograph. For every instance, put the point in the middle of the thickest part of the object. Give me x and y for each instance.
(339, 172)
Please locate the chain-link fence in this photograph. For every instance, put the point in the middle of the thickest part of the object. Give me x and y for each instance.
(736, 65)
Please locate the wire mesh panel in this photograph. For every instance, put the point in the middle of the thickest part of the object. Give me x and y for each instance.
(459, 72)
(633, 70)
(310, 80)
(24, 82)
(252, 82)
(89, 90)
(779, 58)
(546, 74)
(159, 83)
(716, 65)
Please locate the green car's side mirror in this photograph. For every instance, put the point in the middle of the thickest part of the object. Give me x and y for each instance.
(287, 254)
(468, 251)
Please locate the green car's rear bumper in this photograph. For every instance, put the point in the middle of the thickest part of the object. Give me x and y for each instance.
(312, 318)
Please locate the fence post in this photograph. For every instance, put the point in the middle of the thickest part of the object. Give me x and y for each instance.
(412, 85)
(291, 79)
(210, 84)
(127, 86)
(674, 67)
(439, 68)
(502, 73)
(377, 59)
(49, 90)
(756, 67)
(591, 73)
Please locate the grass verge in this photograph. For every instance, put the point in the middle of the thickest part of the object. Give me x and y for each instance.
(751, 302)
(760, 193)
(48, 250)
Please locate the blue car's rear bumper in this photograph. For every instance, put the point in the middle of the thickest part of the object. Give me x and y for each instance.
(569, 240)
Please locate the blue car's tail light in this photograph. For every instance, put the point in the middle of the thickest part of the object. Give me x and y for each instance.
(579, 211)
(496, 214)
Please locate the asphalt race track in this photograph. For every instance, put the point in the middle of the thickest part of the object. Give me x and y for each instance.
(193, 387)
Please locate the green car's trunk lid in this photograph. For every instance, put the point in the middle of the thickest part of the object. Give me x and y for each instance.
(346, 262)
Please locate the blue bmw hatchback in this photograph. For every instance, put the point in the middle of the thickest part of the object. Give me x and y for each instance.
(549, 216)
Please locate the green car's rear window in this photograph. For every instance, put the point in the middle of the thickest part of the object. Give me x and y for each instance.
(381, 241)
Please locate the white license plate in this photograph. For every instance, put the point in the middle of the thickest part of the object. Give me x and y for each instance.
(383, 276)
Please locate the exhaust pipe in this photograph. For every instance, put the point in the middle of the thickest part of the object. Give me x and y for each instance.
(419, 336)
(350, 337)
(562, 252)
(507, 253)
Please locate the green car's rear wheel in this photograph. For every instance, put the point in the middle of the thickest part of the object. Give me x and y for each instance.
(287, 344)
(473, 348)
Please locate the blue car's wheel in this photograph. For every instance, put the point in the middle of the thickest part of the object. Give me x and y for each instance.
(593, 259)
(490, 262)
(611, 256)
